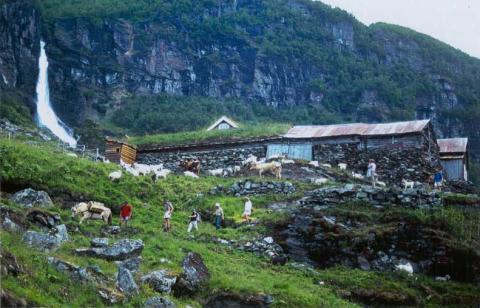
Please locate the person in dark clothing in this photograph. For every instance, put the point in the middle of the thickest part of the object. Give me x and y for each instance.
(194, 217)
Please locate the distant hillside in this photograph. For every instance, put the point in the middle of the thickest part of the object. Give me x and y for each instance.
(178, 65)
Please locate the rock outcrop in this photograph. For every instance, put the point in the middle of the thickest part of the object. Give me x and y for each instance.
(121, 250)
(160, 281)
(29, 198)
(158, 302)
(126, 283)
(249, 187)
(46, 241)
(195, 275)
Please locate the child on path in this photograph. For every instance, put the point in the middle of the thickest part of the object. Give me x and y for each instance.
(247, 211)
(125, 213)
(167, 216)
(371, 171)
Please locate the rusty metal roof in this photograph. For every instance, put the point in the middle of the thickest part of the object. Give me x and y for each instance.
(356, 129)
(453, 145)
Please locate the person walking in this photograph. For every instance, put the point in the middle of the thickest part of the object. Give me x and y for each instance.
(194, 218)
(219, 216)
(125, 213)
(167, 216)
(371, 171)
(247, 210)
(438, 179)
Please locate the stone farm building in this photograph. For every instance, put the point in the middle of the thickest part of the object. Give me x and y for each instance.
(401, 149)
(454, 158)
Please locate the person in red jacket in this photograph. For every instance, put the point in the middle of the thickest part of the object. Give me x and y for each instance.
(125, 213)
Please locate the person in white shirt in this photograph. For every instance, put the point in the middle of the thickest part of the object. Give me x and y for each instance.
(247, 211)
(371, 171)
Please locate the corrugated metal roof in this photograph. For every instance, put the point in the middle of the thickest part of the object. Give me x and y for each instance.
(356, 129)
(453, 145)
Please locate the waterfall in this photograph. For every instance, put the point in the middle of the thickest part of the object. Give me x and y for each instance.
(45, 115)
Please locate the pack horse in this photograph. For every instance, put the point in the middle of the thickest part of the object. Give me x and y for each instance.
(92, 210)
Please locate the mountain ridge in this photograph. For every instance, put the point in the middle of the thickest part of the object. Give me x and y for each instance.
(286, 61)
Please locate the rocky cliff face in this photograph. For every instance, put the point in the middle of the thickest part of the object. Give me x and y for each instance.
(290, 53)
(19, 48)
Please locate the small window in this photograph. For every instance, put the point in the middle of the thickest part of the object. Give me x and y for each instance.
(223, 126)
(117, 150)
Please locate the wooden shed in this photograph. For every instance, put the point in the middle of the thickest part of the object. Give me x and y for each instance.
(454, 158)
(116, 150)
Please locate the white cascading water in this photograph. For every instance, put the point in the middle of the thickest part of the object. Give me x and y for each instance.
(45, 114)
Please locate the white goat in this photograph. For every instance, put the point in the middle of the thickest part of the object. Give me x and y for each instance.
(407, 184)
(162, 174)
(357, 176)
(215, 172)
(326, 165)
(251, 159)
(405, 267)
(342, 166)
(190, 174)
(319, 181)
(314, 163)
(115, 175)
(287, 161)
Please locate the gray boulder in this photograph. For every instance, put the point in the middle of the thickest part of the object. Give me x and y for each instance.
(99, 242)
(121, 250)
(132, 264)
(195, 275)
(10, 226)
(160, 281)
(29, 198)
(42, 241)
(62, 233)
(126, 283)
(75, 272)
(158, 302)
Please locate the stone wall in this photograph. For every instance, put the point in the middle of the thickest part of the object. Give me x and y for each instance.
(393, 164)
(248, 187)
(210, 159)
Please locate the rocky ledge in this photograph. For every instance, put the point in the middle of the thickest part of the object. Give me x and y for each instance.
(249, 187)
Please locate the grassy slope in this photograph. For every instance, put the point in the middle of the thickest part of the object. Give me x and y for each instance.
(231, 270)
(250, 131)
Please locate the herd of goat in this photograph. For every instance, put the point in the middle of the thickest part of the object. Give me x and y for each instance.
(273, 165)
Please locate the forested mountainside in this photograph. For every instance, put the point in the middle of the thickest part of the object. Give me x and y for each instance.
(143, 65)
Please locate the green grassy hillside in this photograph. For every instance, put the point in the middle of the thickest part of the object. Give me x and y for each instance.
(245, 131)
(66, 179)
